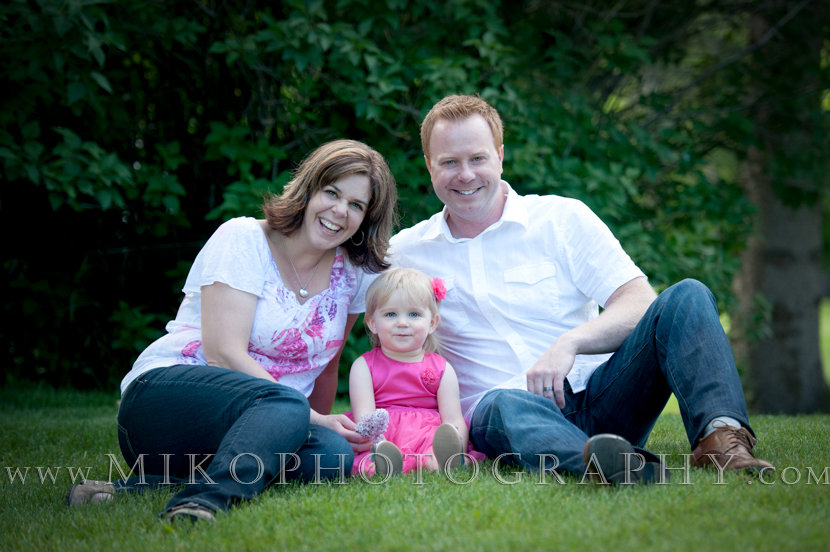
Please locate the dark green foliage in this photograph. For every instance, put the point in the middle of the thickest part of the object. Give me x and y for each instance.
(131, 129)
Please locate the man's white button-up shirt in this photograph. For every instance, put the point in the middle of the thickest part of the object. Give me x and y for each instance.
(539, 271)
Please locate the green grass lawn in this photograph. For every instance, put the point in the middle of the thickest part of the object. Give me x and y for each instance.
(48, 428)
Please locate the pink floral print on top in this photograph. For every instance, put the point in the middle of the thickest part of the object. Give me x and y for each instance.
(310, 342)
(192, 349)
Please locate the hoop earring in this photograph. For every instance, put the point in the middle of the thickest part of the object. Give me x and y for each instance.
(362, 237)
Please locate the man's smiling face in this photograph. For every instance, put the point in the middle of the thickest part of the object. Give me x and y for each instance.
(465, 168)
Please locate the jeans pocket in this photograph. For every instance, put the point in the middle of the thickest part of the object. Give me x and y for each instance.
(126, 446)
(569, 411)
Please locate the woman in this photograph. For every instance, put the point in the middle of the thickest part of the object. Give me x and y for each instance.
(247, 372)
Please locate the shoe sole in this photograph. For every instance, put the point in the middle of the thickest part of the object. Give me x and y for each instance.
(446, 443)
(189, 511)
(608, 451)
(193, 516)
(392, 464)
(69, 494)
(92, 499)
(751, 470)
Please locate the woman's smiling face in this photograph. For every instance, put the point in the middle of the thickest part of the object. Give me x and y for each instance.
(335, 212)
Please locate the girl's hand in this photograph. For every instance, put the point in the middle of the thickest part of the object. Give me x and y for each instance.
(345, 427)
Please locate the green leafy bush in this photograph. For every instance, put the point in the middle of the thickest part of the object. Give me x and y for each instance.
(131, 129)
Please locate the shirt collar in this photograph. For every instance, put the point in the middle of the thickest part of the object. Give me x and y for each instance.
(514, 212)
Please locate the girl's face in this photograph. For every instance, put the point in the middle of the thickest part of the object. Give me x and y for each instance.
(402, 326)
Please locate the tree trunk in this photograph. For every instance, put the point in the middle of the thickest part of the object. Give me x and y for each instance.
(776, 333)
(782, 263)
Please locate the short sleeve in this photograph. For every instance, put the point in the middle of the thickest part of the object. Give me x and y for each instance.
(364, 280)
(598, 263)
(236, 255)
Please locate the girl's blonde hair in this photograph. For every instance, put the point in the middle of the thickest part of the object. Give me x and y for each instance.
(415, 284)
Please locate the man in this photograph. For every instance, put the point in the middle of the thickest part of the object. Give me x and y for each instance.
(520, 323)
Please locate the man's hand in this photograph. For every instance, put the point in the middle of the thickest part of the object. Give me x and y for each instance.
(550, 371)
(345, 427)
(603, 334)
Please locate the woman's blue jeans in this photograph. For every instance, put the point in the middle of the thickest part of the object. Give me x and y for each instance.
(677, 347)
(177, 416)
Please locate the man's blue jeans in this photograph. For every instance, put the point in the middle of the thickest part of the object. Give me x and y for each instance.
(177, 416)
(678, 347)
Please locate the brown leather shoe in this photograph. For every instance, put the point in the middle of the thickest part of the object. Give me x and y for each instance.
(731, 447)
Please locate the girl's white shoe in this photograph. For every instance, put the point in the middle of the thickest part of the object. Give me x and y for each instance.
(388, 459)
(446, 447)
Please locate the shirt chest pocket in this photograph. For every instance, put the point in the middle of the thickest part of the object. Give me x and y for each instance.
(531, 291)
(453, 315)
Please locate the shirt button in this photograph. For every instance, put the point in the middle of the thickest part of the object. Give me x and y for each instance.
(491, 314)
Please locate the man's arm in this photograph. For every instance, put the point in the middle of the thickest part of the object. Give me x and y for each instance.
(604, 334)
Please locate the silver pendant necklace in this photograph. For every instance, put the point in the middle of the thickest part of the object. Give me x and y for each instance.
(303, 288)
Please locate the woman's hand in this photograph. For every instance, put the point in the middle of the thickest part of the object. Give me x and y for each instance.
(342, 425)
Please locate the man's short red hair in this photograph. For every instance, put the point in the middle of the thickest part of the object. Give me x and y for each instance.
(458, 108)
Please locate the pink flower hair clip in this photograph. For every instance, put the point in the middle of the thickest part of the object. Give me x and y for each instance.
(439, 289)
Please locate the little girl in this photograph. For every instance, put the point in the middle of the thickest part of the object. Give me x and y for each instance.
(417, 387)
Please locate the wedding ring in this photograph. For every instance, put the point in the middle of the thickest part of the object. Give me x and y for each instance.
(547, 389)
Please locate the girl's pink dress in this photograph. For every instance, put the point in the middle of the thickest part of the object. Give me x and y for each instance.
(408, 391)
